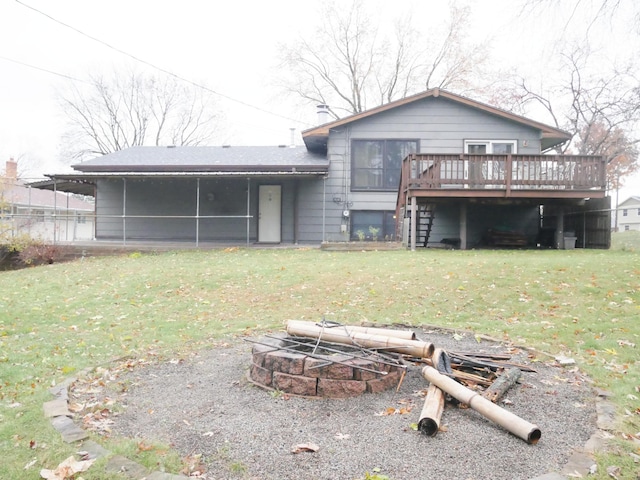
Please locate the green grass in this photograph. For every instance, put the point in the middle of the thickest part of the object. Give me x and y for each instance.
(57, 320)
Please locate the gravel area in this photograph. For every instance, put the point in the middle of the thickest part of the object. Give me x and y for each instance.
(204, 405)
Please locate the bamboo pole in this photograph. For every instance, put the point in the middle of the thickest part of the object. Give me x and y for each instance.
(389, 332)
(507, 420)
(431, 413)
(415, 348)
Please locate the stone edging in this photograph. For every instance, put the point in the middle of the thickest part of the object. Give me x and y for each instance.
(61, 419)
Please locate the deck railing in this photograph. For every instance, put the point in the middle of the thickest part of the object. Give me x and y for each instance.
(503, 172)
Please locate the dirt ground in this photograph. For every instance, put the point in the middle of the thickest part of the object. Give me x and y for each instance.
(204, 407)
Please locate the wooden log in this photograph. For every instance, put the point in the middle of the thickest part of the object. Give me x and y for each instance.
(501, 384)
(415, 348)
(471, 378)
(431, 413)
(507, 420)
(460, 374)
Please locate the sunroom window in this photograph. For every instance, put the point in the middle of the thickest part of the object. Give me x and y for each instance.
(376, 164)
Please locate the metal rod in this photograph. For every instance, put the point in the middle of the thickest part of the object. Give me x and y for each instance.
(248, 208)
(319, 357)
(337, 350)
(124, 211)
(197, 212)
(468, 361)
(55, 207)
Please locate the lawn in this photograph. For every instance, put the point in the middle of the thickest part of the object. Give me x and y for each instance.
(59, 319)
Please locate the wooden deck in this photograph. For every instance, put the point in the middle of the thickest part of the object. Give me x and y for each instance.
(502, 176)
(427, 179)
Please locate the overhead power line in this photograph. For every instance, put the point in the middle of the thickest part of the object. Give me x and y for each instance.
(160, 69)
(42, 69)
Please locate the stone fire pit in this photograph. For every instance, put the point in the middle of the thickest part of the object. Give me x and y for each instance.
(302, 366)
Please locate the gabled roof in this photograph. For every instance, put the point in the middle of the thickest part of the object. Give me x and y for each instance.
(633, 200)
(316, 138)
(207, 159)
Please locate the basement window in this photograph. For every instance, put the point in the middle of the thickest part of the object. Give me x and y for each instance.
(373, 225)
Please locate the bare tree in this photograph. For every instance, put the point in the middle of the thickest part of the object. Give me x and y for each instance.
(599, 109)
(597, 11)
(108, 114)
(351, 65)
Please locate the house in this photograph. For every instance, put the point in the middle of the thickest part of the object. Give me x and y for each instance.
(628, 214)
(431, 169)
(41, 214)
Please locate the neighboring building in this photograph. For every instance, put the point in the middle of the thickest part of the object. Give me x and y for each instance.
(41, 214)
(460, 171)
(628, 214)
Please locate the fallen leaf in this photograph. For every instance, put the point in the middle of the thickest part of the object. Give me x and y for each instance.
(342, 436)
(305, 447)
(66, 470)
(207, 434)
(613, 471)
(30, 464)
(75, 407)
(143, 447)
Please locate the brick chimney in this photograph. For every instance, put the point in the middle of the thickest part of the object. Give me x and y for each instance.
(11, 170)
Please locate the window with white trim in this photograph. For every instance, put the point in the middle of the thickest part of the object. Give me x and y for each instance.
(488, 171)
(495, 147)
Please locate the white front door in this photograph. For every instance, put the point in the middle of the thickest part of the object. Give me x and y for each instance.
(269, 213)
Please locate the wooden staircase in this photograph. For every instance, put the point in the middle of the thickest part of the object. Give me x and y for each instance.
(425, 215)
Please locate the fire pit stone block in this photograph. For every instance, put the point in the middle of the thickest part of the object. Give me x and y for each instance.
(261, 375)
(334, 371)
(340, 388)
(381, 384)
(285, 362)
(295, 384)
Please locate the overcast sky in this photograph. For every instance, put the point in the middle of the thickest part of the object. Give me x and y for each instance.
(232, 47)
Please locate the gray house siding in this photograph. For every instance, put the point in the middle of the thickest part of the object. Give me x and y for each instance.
(440, 126)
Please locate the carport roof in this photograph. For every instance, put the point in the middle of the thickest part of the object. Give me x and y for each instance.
(208, 159)
(138, 162)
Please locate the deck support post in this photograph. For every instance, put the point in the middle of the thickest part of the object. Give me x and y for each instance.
(414, 220)
(559, 240)
(463, 226)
